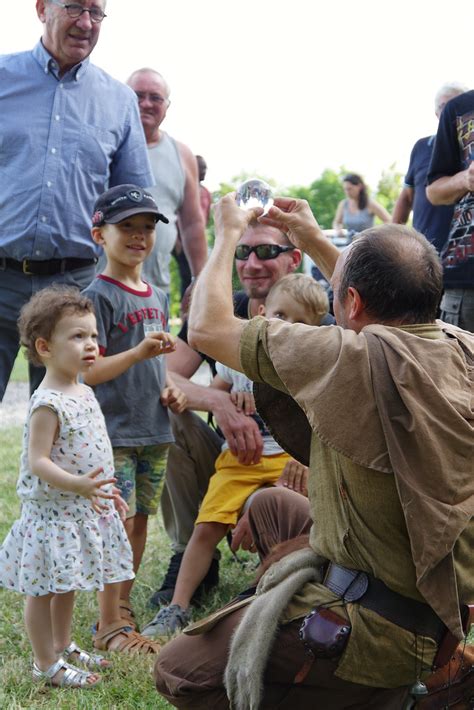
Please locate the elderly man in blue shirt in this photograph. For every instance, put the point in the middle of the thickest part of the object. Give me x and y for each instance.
(68, 132)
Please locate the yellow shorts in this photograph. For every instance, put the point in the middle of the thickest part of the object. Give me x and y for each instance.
(233, 483)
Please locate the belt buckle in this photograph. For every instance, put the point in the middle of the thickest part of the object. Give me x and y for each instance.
(26, 267)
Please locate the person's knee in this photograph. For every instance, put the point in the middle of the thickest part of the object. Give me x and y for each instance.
(209, 534)
(269, 499)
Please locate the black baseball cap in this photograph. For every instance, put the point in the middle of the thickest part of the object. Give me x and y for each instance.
(123, 201)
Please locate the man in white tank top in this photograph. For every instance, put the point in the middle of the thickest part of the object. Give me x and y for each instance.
(177, 183)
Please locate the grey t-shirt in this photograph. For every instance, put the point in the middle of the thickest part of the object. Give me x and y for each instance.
(131, 402)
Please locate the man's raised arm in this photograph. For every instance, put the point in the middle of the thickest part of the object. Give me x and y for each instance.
(213, 328)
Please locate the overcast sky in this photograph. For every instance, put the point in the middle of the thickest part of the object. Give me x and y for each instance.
(285, 89)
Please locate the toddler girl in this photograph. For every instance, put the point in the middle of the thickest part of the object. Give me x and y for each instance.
(67, 537)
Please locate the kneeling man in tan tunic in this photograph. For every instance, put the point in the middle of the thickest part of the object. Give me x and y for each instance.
(386, 396)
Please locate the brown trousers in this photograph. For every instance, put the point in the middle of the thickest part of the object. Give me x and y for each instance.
(189, 670)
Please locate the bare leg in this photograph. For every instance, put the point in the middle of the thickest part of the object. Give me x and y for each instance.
(39, 612)
(136, 528)
(62, 606)
(109, 604)
(197, 558)
(39, 629)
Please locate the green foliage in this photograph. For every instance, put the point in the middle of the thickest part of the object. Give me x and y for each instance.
(20, 368)
(389, 187)
(175, 289)
(323, 196)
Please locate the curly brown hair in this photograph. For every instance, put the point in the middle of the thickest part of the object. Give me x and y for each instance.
(39, 317)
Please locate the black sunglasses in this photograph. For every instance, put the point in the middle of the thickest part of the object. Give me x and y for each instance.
(263, 251)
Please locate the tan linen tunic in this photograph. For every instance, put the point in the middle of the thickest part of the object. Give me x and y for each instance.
(359, 520)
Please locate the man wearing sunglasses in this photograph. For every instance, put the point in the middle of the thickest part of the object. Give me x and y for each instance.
(69, 131)
(263, 256)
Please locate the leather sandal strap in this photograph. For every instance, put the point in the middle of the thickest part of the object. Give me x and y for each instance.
(105, 634)
(132, 642)
(135, 643)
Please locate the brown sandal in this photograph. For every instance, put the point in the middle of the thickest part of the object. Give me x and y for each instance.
(127, 613)
(131, 642)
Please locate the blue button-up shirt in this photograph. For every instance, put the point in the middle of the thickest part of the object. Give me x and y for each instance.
(63, 141)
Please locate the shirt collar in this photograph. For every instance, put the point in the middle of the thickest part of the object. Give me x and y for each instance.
(49, 65)
(431, 331)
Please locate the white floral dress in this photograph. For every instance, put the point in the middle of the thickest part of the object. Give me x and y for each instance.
(60, 543)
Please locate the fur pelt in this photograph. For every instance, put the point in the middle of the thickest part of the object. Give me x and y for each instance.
(254, 637)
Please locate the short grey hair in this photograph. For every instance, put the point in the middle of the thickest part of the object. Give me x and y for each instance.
(451, 89)
(149, 70)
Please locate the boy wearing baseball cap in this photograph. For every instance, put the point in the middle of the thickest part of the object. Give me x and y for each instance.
(130, 381)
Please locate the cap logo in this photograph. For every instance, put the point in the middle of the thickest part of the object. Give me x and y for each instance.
(135, 195)
(97, 217)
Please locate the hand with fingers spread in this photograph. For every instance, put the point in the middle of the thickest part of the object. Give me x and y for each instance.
(295, 477)
(121, 506)
(89, 486)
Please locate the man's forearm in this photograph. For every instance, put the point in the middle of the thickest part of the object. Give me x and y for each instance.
(213, 328)
(447, 190)
(402, 208)
(200, 397)
(323, 252)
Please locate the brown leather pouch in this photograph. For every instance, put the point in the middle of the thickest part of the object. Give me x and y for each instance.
(324, 633)
(451, 686)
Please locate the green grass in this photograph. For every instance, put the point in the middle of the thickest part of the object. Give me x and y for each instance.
(130, 682)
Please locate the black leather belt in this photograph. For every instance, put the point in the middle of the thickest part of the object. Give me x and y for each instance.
(356, 586)
(45, 268)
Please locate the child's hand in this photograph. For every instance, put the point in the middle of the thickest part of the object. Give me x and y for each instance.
(155, 343)
(294, 477)
(89, 487)
(244, 402)
(174, 398)
(121, 506)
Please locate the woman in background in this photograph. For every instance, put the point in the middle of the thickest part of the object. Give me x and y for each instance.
(358, 210)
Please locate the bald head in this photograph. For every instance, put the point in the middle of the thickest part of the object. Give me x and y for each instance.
(147, 71)
(396, 272)
(152, 92)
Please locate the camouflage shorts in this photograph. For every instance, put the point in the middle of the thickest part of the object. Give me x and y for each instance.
(140, 473)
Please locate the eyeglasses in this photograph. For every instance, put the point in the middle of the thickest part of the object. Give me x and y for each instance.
(154, 98)
(74, 11)
(263, 251)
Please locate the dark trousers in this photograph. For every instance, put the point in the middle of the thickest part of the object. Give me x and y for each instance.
(189, 670)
